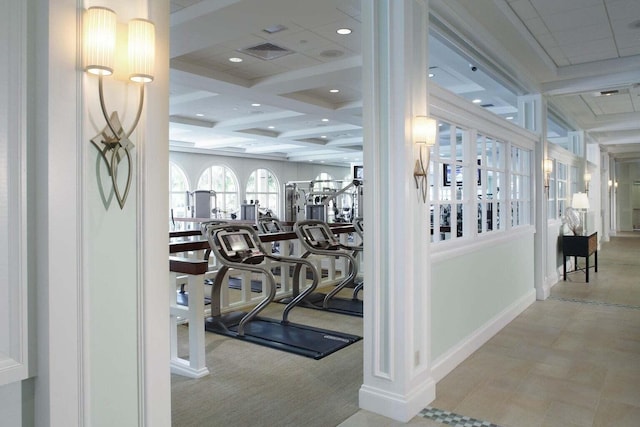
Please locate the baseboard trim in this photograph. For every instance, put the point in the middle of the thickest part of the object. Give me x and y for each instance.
(457, 354)
(396, 406)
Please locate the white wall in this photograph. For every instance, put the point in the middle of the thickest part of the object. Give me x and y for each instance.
(476, 293)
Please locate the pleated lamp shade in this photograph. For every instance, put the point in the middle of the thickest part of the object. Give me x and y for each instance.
(142, 50)
(99, 40)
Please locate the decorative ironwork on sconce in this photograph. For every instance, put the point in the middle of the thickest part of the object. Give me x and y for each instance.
(424, 134)
(100, 32)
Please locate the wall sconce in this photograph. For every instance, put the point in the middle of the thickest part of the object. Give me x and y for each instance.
(424, 134)
(547, 168)
(99, 56)
(587, 180)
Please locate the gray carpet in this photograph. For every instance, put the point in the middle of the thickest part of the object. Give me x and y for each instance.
(251, 385)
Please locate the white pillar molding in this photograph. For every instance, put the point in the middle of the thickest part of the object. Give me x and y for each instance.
(397, 368)
(532, 115)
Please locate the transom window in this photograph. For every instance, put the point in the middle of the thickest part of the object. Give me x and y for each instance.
(178, 188)
(263, 187)
(223, 181)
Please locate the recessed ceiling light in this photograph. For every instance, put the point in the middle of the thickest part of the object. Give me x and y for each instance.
(431, 74)
(477, 101)
(343, 31)
(509, 117)
(255, 104)
(271, 127)
(334, 90)
(199, 114)
(325, 120)
(235, 59)
(324, 136)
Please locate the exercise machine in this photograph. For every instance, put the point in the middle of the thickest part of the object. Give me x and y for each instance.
(316, 237)
(238, 247)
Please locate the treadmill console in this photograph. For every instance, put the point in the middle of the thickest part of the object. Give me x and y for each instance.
(318, 237)
(239, 246)
(270, 225)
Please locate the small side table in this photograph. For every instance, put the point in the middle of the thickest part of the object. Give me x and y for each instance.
(580, 246)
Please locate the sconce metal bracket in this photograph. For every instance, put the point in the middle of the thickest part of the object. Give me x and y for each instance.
(115, 139)
(120, 146)
(420, 174)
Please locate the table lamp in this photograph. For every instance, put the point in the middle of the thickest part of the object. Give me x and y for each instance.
(580, 202)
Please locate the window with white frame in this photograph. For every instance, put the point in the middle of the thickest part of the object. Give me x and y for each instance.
(558, 190)
(478, 184)
(552, 202)
(491, 181)
(520, 169)
(224, 183)
(178, 188)
(263, 186)
(447, 176)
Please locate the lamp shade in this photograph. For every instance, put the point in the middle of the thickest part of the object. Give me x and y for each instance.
(142, 50)
(580, 201)
(99, 40)
(424, 130)
(547, 166)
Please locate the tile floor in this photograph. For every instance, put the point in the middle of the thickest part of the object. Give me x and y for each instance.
(572, 360)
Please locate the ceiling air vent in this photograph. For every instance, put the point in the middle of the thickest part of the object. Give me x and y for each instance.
(266, 51)
(609, 92)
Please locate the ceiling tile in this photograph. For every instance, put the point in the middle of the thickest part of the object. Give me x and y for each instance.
(583, 35)
(524, 9)
(576, 19)
(536, 26)
(623, 9)
(550, 7)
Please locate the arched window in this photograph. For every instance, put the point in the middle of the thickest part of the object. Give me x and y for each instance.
(263, 186)
(178, 187)
(224, 182)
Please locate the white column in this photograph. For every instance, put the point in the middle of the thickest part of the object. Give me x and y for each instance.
(532, 115)
(397, 370)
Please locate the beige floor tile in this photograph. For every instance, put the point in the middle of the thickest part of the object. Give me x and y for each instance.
(623, 387)
(562, 413)
(524, 411)
(609, 413)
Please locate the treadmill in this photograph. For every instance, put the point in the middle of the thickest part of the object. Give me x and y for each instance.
(238, 246)
(318, 239)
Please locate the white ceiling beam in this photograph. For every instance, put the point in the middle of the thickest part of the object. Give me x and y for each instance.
(329, 73)
(594, 83)
(319, 130)
(255, 120)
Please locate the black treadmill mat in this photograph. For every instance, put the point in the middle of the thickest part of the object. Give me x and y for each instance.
(293, 338)
(346, 306)
(256, 285)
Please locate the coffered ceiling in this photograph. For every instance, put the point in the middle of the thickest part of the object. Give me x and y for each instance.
(296, 93)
